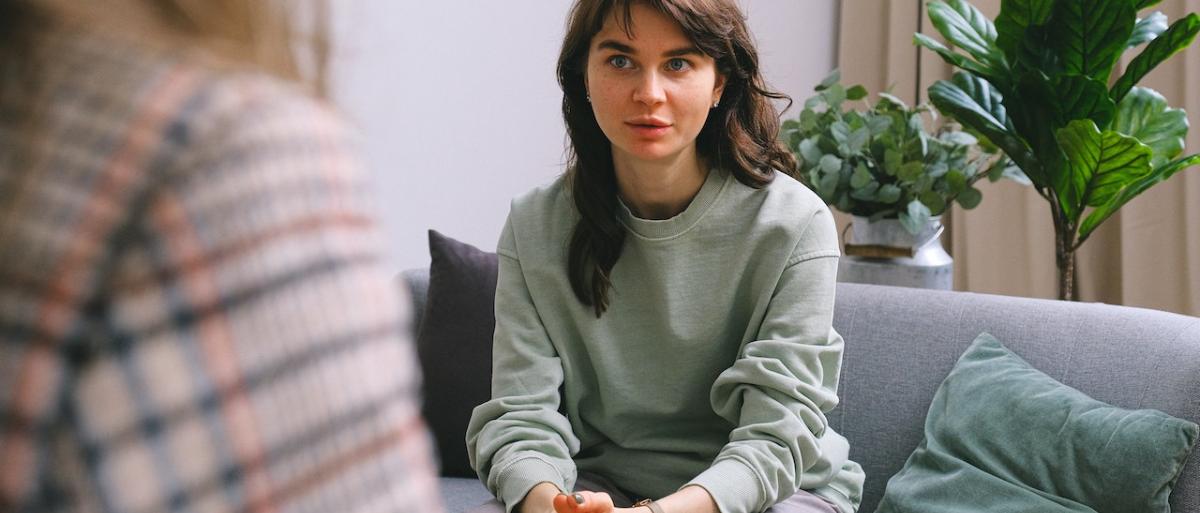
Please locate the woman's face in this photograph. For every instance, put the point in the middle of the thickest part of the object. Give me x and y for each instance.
(651, 94)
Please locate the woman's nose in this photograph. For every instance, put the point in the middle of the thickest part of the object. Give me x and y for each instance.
(649, 89)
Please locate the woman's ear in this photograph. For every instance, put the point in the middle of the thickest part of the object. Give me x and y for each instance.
(718, 88)
(587, 90)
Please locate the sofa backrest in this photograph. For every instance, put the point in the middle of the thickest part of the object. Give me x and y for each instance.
(901, 343)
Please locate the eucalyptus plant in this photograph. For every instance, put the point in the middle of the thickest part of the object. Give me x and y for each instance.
(1036, 83)
(880, 161)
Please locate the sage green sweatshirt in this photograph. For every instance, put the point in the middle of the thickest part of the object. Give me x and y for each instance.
(714, 365)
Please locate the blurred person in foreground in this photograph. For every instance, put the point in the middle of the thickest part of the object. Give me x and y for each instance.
(195, 311)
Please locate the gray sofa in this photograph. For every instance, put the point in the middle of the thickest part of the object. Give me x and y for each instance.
(901, 343)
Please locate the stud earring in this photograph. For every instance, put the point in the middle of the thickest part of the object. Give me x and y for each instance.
(716, 103)
(589, 98)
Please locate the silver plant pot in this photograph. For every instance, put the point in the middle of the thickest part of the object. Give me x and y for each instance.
(912, 260)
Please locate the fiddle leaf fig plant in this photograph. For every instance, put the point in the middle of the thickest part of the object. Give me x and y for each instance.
(1035, 83)
(880, 162)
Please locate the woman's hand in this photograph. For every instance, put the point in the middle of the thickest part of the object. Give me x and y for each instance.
(539, 500)
(691, 498)
(585, 502)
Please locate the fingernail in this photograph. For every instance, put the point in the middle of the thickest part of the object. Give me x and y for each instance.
(578, 498)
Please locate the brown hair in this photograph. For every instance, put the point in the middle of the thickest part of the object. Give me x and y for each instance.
(740, 135)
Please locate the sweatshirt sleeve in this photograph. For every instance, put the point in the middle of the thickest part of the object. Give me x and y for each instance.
(777, 391)
(518, 438)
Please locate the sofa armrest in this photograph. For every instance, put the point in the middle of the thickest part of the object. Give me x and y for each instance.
(417, 281)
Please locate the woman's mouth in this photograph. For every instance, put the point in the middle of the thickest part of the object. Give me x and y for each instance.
(649, 129)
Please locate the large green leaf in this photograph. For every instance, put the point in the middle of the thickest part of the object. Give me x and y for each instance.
(1132, 190)
(967, 28)
(952, 100)
(1145, 116)
(1037, 115)
(1142, 4)
(986, 96)
(1090, 35)
(952, 58)
(1147, 29)
(1082, 97)
(1178, 36)
(1099, 165)
(1014, 21)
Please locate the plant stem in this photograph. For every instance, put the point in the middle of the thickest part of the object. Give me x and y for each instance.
(1066, 272)
(1064, 252)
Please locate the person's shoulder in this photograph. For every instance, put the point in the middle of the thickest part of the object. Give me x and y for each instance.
(544, 203)
(788, 208)
(248, 126)
(542, 217)
(192, 114)
(257, 104)
(189, 93)
(783, 200)
(795, 198)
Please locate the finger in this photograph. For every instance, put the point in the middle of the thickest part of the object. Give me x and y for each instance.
(595, 502)
(583, 502)
(563, 503)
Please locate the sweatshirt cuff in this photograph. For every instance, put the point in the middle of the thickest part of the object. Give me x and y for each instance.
(516, 479)
(838, 499)
(733, 486)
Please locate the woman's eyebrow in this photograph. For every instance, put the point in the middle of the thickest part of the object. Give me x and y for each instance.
(613, 45)
(624, 48)
(688, 50)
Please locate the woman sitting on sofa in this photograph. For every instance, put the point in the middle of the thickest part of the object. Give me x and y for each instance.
(664, 309)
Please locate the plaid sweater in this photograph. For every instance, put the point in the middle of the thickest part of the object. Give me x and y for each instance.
(195, 314)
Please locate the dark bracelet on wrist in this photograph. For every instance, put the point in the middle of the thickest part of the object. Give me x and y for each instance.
(654, 507)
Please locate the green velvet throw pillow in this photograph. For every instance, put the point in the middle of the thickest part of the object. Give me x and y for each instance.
(1002, 436)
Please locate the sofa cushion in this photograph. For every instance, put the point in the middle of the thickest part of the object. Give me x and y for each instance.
(461, 494)
(454, 344)
(1000, 432)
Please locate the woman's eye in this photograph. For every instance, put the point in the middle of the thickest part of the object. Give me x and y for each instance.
(620, 61)
(678, 65)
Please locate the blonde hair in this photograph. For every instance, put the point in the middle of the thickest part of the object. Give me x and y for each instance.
(263, 35)
(285, 38)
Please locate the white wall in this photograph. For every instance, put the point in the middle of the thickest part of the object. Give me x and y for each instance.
(459, 105)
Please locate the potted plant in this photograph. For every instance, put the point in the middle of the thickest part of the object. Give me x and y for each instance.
(883, 167)
(1038, 83)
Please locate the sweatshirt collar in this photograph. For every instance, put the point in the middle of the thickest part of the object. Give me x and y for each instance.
(657, 229)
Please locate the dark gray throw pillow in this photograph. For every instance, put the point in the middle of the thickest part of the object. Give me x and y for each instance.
(454, 344)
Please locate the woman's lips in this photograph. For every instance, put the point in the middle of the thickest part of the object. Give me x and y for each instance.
(649, 131)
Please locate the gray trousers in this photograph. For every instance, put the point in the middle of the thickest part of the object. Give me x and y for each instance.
(801, 502)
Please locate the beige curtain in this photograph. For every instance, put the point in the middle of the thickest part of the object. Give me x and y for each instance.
(1147, 255)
